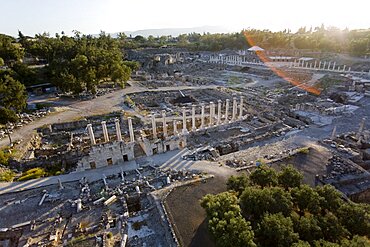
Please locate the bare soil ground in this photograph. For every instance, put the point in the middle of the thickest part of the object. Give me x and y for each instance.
(309, 164)
(187, 214)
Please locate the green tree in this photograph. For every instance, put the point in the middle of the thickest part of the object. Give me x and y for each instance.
(225, 223)
(289, 177)
(276, 230)
(307, 227)
(24, 74)
(13, 95)
(301, 243)
(264, 176)
(256, 202)
(331, 198)
(237, 183)
(331, 228)
(306, 198)
(9, 49)
(355, 218)
(323, 243)
(356, 241)
(133, 65)
(231, 230)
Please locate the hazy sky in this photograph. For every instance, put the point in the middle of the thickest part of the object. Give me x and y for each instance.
(91, 16)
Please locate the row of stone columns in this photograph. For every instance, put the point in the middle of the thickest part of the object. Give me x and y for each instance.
(118, 131)
(212, 117)
(237, 60)
(325, 66)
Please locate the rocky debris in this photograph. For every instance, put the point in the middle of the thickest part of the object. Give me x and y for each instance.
(338, 167)
(207, 153)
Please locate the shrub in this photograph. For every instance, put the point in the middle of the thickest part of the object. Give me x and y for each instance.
(32, 174)
(6, 176)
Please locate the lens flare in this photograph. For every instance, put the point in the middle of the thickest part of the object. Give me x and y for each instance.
(281, 73)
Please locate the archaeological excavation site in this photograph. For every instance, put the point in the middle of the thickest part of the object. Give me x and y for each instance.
(128, 166)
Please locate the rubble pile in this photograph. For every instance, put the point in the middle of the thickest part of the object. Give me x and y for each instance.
(338, 167)
(207, 153)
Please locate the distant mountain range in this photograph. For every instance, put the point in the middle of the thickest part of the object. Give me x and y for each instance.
(175, 31)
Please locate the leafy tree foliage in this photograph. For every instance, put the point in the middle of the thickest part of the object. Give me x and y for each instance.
(285, 213)
(82, 62)
(307, 227)
(276, 230)
(24, 74)
(225, 223)
(306, 198)
(330, 197)
(13, 98)
(331, 228)
(237, 183)
(264, 176)
(356, 218)
(256, 202)
(289, 177)
(9, 49)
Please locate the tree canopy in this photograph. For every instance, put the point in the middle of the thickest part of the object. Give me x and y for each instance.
(275, 209)
(13, 98)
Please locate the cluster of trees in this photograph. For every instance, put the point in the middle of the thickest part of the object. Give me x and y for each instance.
(80, 63)
(74, 64)
(12, 93)
(271, 208)
(323, 39)
(320, 38)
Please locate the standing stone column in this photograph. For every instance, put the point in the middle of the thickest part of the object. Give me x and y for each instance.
(193, 118)
(219, 112)
(329, 65)
(320, 65)
(334, 66)
(361, 129)
(91, 134)
(184, 129)
(315, 64)
(334, 132)
(175, 127)
(234, 110)
(227, 110)
(344, 67)
(105, 131)
(164, 123)
(131, 129)
(202, 117)
(118, 130)
(154, 126)
(211, 113)
(241, 108)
